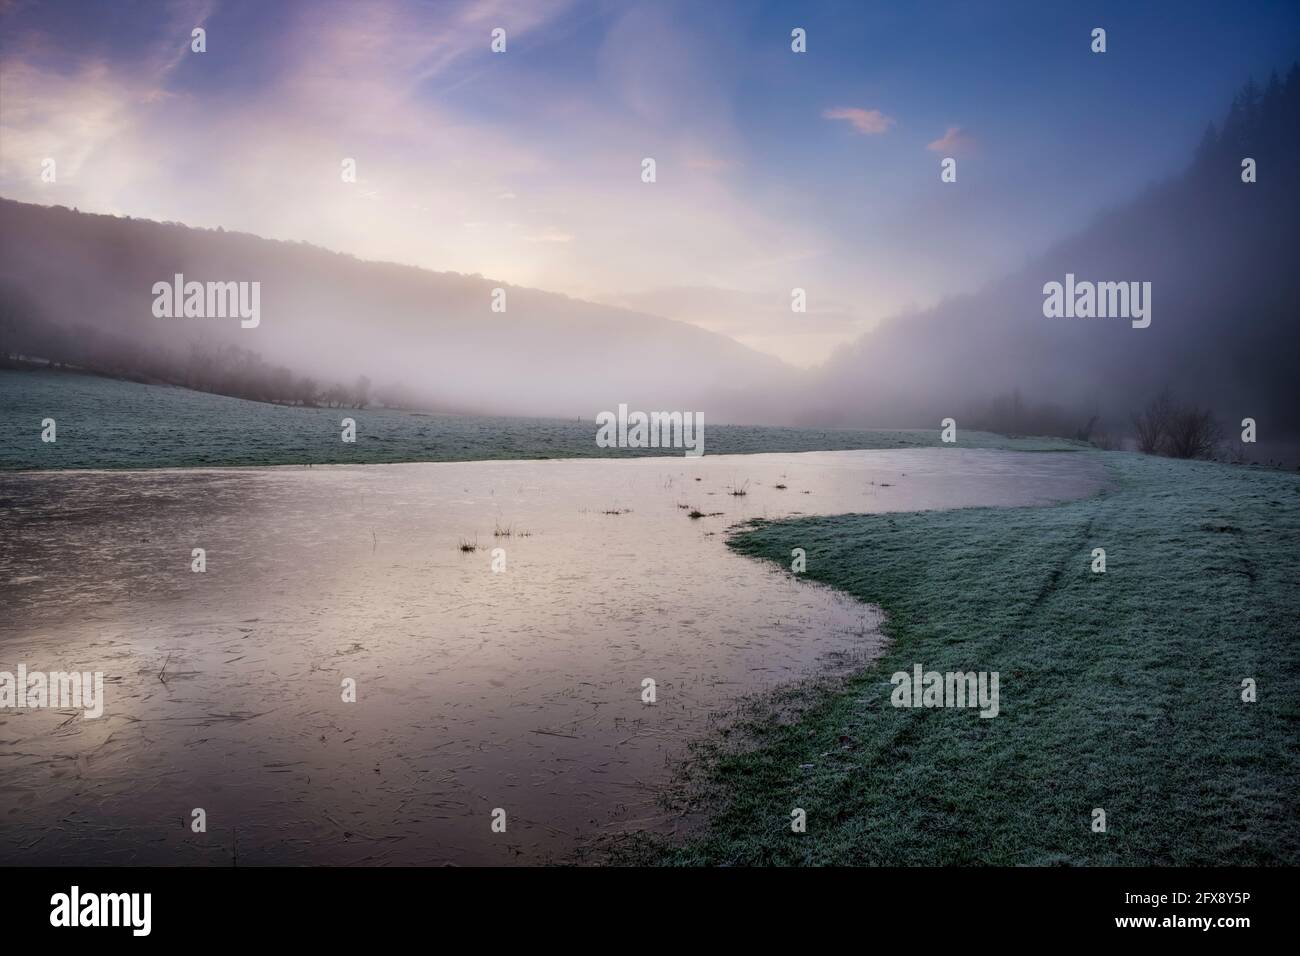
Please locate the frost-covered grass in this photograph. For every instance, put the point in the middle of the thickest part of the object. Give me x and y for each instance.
(104, 423)
(1119, 691)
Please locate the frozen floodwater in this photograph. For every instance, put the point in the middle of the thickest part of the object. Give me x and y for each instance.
(476, 690)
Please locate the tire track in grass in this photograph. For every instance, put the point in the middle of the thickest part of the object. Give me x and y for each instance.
(1120, 690)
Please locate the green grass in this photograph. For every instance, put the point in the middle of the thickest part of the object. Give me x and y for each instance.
(1118, 690)
(106, 423)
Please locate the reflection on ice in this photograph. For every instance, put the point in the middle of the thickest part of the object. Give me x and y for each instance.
(475, 689)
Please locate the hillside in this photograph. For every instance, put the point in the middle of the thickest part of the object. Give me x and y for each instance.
(1219, 254)
(76, 288)
(1221, 257)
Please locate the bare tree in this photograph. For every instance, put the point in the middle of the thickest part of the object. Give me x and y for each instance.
(1168, 427)
(1192, 433)
(1152, 423)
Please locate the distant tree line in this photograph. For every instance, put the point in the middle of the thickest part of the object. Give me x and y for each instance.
(1164, 426)
(1011, 414)
(1261, 122)
(219, 369)
(241, 373)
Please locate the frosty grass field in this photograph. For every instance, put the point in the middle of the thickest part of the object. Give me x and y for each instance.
(104, 423)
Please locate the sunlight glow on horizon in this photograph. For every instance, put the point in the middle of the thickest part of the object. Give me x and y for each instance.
(524, 166)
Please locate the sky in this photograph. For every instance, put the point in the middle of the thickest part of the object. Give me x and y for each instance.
(775, 170)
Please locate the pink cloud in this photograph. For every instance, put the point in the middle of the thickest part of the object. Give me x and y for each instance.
(867, 122)
(954, 141)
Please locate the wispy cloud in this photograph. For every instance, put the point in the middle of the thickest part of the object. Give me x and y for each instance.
(866, 122)
(955, 140)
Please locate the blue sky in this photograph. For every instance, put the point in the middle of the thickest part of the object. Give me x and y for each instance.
(525, 166)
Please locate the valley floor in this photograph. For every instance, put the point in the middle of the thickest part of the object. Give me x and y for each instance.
(107, 423)
(1119, 691)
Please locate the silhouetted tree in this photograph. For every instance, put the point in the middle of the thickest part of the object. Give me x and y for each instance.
(1152, 423)
(1192, 433)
